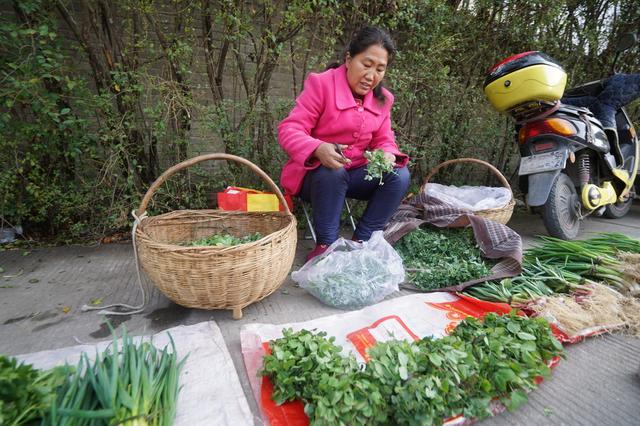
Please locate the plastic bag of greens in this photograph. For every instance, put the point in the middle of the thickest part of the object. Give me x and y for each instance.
(351, 275)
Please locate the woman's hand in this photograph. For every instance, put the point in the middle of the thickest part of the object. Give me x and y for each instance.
(391, 158)
(330, 158)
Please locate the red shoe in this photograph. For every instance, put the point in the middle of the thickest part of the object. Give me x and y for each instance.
(317, 251)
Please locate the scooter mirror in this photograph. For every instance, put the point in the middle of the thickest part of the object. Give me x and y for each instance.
(626, 41)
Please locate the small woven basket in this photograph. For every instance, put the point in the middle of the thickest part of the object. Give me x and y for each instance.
(216, 277)
(500, 215)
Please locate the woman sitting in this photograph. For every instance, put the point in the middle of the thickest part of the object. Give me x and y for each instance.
(340, 114)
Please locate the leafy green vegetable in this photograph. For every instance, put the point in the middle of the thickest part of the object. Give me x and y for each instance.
(25, 392)
(225, 240)
(309, 366)
(422, 382)
(512, 352)
(437, 258)
(377, 166)
(435, 389)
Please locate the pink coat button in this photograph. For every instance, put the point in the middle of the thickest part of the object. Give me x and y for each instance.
(356, 134)
(360, 109)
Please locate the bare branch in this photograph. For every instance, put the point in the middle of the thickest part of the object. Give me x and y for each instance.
(99, 71)
(215, 69)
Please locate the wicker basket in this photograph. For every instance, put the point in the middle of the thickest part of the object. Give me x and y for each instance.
(216, 277)
(500, 215)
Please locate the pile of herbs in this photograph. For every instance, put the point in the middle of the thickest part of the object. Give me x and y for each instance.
(425, 382)
(26, 393)
(308, 366)
(225, 240)
(435, 258)
(377, 165)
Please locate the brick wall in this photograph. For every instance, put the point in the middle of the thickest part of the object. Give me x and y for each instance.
(202, 139)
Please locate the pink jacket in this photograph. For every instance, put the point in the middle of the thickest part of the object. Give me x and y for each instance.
(326, 111)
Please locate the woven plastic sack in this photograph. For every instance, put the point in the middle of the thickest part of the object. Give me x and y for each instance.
(351, 275)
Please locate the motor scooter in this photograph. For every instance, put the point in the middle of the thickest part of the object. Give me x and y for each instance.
(579, 149)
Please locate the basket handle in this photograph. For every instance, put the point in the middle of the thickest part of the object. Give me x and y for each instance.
(493, 170)
(195, 160)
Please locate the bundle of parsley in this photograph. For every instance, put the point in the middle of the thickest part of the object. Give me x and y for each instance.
(436, 258)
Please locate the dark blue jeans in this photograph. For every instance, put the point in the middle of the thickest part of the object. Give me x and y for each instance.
(327, 189)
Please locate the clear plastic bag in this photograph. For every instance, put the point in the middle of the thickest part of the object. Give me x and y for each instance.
(474, 198)
(351, 275)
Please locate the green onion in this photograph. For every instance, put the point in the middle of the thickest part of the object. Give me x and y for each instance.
(129, 384)
(558, 266)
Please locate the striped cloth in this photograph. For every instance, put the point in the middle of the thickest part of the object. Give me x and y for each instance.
(496, 241)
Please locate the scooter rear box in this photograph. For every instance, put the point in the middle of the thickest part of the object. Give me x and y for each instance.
(526, 77)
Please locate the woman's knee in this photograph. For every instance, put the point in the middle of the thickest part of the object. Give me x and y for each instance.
(401, 178)
(326, 175)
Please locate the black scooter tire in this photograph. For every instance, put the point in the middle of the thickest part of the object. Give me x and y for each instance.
(558, 212)
(618, 210)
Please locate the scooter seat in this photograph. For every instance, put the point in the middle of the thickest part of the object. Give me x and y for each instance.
(577, 111)
(593, 88)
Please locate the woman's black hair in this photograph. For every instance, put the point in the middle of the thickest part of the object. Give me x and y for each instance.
(369, 36)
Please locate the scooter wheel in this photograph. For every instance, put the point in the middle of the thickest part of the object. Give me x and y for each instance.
(560, 213)
(618, 210)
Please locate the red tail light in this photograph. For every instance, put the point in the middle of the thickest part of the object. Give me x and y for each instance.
(509, 59)
(556, 126)
(544, 146)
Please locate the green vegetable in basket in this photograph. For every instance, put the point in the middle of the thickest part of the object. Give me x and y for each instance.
(377, 166)
(225, 240)
(437, 258)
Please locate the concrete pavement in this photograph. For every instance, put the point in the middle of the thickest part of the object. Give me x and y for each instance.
(42, 290)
